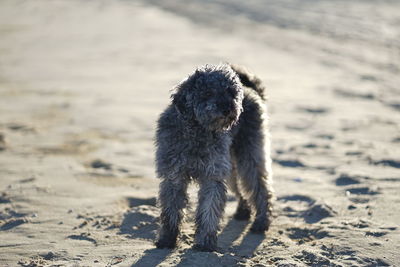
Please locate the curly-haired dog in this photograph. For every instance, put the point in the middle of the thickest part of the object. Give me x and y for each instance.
(214, 133)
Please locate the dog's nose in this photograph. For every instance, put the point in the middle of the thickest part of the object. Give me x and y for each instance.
(226, 108)
(226, 112)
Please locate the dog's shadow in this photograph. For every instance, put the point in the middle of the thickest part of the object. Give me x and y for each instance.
(230, 245)
(152, 257)
(232, 232)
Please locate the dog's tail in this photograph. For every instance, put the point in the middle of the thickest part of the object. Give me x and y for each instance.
(250, 80)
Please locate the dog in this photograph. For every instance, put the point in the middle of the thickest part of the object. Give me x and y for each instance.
(214, 133)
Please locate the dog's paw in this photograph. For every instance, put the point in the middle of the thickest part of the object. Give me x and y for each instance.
(260, 225)
(165, 243)
(208, 243)
(203, 248)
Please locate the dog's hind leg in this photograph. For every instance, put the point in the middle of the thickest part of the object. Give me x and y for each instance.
(252, 155)
(255, 182)
(243, 210)
(212, 199)
(251, 148)
(172, 199)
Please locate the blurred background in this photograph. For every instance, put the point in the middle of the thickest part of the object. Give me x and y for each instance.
(83, 82)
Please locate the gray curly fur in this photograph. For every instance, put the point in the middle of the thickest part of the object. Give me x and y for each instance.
(215, 133)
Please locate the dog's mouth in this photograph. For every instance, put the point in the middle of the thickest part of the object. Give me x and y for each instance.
(222, 123)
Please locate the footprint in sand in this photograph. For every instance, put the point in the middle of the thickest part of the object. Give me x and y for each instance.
(317, 212)
(314, 258)
(325, 136)
(396, 140)
(12, 223)
(306, 234)
(362, 191)
(97, 221)
(369, 78)
(376, 233)
(20, 127)
(2, 142)
(299, 126)
(313, 110)
(4, 198)
(101, 167)
(9, 218)
(386, 162)
(83, 237)
(52, 256)
(307, 208)
(27, 180)
(291, 163)
(345, 179)
(100, 164)
(392, 104)
(314, 145)
(335, 252)
(354, 153)
(348, 93)
(355, 188)
(361, 195)
(302, 198)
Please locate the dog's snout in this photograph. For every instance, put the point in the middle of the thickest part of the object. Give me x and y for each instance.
(226, 108)
(226, 112)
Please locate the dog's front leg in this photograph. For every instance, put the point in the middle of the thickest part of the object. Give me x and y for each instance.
(172, 199)
(212, 199)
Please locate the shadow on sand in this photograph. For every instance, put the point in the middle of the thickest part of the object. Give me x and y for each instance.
(231, 254)
(153, 257)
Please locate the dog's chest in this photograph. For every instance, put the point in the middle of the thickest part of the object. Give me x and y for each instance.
(208, 157)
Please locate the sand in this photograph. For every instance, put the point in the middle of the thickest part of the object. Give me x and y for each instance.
(82, 84)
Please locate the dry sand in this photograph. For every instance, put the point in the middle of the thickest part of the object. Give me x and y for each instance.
(82, 84)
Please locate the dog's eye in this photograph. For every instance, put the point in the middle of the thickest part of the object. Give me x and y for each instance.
(208, 94)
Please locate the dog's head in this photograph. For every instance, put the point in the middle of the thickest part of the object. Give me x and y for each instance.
(211, 96)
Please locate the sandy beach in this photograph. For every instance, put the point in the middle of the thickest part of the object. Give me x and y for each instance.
(82, 84)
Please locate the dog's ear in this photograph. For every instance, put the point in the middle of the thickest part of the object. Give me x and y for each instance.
(179, 101)
(180, 96)
(183, 95)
